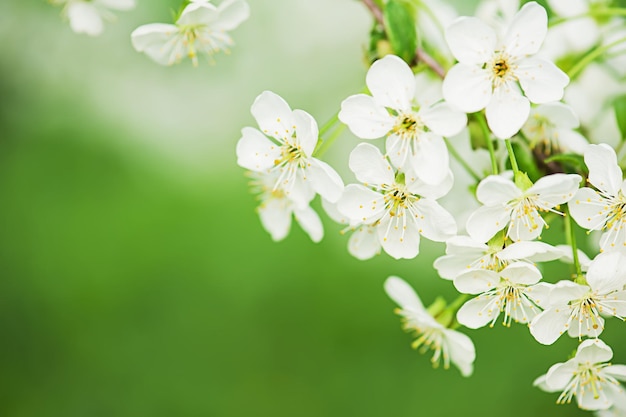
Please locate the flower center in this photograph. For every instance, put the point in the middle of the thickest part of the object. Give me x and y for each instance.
(408, 126)
(587, 378)
(502, 69)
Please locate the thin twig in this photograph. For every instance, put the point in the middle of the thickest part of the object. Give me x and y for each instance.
(420, 54)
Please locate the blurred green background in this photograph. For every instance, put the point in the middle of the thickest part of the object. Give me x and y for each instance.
(136, 279)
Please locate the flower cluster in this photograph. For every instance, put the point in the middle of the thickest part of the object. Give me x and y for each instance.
(499, 89)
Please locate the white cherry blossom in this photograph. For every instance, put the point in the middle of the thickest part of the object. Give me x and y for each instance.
(401, 207)
(577, 308)
(514, 291)
(408, 111)
(201, 29)
(500, 73)
(604, 209)
(449, 346)
(551, 126)
(506, 204)
(276, 210)
(589, 377)
(464, 253)
(88, 16)
(285, 145)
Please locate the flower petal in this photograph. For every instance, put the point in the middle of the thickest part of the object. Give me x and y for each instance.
(443, 120)
(507, 111)
(157, 41)
(84, 18)
(310, 222)
(370, 166)
(365, 118)
(541, 80)
(360, 204)
(403, 294)
(521, 273)
(434, 222)
(391, 82)
(496, 190)
(586, 209)
(399, 239)
(275, 215)
(527, 30)
(231, 14)
(532, 251)
(485, 222)
(461, 350)
(548, 326)
(198, 13)
(471, 41)
(607, 272)
(467, 87)
(555, 189)
(324, 180)
(604, 173)
(306, 132)
(593, 351)
(477, 312)
(364, 244)
(431, 161)
(476, 281)
(255, 151)
(273, 115)
(559, 375)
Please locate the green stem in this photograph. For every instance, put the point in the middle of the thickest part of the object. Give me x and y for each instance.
(329, 124)
(591, 56)
(487, 134)
(608, 12)
(571, 240)
(455, 154)
(454, 307)
(325, 145)
(509, 149)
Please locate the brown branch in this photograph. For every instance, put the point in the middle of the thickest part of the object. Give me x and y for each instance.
(421, 55)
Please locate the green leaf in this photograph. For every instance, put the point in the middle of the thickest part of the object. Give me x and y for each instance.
(619, 106)
(526, 162)
(399, 20)
(572, 160)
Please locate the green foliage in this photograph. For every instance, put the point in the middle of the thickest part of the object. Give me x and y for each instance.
(525, 160)
(619, 106)
(399, 18)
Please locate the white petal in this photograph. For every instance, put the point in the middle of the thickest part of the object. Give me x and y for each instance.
(565, 291)
(540, 293)
(593, 351)
(198, 13)
(310, 222)
(555, 189)
(586, 209)
(548, 326)
(476, 281)
(433, 191)
(275, 217)
(306, 132)
(527, 30)
(443, 120)
(507, 111)
(471, 40)
(450, 266)
(541, 80)
(391, 82)
(256, 152)
(370, 166)
(231, 14)
(360, 204)
(521, 273)
(431, 161)
(485, 222)
(496, 190)
(399, 240)
(434, 221)
(427, 89)
(365, 118)
(298, 189)
(333, 212)
(84, 18)
(403, 294)
(273, 115)
(477, 312)
(571, 141)
(364, 244)
(559, 375)
(559, 114)
(569, 8)
(604, 173)
(532, 251)
(462, 351)
(616, 371)
(325, 180)
(157, 40)
(467, 87)
(607, 272)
